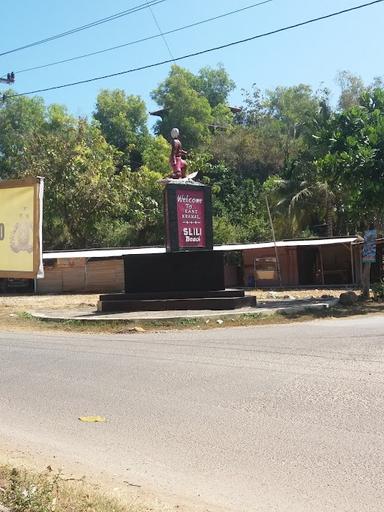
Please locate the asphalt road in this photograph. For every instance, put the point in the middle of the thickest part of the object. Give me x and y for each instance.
(272, 418)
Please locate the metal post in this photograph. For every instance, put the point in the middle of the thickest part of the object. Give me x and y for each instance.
(352, 264)
(321, 266)
(86, 275)
(361, 267)
(274, 242)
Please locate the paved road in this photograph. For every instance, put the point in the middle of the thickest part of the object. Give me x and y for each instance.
(273, 418)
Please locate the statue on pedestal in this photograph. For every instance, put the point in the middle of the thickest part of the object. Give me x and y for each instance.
(178, 165)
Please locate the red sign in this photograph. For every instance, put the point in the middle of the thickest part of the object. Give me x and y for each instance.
(191, 218)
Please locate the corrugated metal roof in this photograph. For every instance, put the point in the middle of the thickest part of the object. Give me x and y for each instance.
(111, 253)
(102, 253)
(287, 243)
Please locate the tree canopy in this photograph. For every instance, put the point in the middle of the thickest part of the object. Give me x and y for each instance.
(123, 122)
(320, 165)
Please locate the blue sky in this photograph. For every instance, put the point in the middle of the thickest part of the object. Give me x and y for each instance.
(312, 55)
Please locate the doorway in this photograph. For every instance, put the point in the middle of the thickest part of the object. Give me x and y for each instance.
(308, 265)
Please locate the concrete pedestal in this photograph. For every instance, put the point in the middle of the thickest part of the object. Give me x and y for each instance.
(190, 275)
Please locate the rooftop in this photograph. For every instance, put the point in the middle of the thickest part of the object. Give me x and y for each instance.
(122, 251)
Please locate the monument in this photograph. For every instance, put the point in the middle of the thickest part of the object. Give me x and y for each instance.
(189, 274)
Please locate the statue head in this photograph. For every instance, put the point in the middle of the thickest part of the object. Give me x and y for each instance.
(175, 133)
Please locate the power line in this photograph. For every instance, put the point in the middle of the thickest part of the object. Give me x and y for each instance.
(100, 21)
(202, 52)
(160, 32)
(137, 41)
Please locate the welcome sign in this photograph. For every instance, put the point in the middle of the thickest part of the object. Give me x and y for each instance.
(188, 216)
(21, 228)
(191, 218)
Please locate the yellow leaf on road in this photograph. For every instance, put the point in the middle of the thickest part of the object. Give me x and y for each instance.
(92, 419)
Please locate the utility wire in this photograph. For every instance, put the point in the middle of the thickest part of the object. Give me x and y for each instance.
(130, 43)
(202, 52)
(100, 21)
(161, 32)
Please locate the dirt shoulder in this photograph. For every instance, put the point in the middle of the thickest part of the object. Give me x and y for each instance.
(70, 485)
(14, 312)
(13, 308)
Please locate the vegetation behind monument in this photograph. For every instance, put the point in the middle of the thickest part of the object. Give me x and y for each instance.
(321, 166)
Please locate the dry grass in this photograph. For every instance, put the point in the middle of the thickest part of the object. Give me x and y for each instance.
(23, 491)
(23, 302)
(13, 308)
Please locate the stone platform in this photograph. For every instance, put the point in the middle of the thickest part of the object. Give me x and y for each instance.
(176, 300)
(263, 308)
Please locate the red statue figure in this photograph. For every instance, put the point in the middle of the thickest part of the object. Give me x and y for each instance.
(176, 161)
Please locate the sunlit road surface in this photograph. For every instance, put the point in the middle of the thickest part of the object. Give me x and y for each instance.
(271, 418)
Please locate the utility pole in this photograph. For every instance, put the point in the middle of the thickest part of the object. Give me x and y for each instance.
(9, 80)
(278, 268)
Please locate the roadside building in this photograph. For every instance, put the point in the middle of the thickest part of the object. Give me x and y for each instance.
(295, 263)
(302, 263)
(102, 270)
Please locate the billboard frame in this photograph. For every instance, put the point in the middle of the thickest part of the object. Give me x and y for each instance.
(37, 266)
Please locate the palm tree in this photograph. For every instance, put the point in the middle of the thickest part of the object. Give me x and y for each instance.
(303, 201)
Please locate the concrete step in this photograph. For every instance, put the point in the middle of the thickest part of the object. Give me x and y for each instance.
(191, 294)
(199, 303)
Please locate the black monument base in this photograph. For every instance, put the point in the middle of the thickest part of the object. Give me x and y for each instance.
(175, 281)
(178, 271)
(221, 300)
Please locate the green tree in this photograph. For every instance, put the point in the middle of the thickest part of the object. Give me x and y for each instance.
(123, 121)
(214, 84)
(82, 186)
(222, 118)
(139, 221)
(352, 87)
(299, 205)
(20, 119)
(144, 209)
(296, 109)
(350, 148)
(183, 107)
(250, 151)
(337, 180)
(238, 206)
(90, 197)
(271, 132)
(156, 155)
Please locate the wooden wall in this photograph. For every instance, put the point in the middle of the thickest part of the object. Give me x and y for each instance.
(337, 264)
(288, 266)
(231, 276)
(79, 275)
